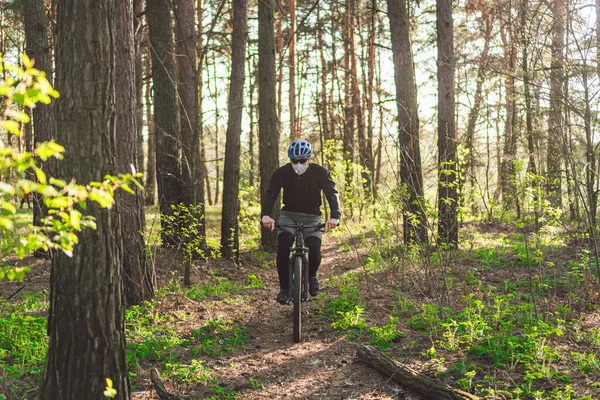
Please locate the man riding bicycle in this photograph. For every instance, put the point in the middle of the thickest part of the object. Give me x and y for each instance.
(302, 183)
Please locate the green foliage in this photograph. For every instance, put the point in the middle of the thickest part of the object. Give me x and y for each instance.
(254, 282)
(351, 320)
(220, 288)
(384, 336)
(23, 342)
(65, 200)
(193, 373)
(218, 336)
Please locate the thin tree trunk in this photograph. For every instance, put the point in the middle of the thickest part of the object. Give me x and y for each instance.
(252, 109)
(38, 49)
(138, 276)
(323, 104)
(151, 184)
(267, 107)
(229, 221)
(411, 177)
(447, 162)
(555, 119)
(349, 114)
(168, 167)
(294, 135)
(86, 325)
(138, 36)
(280, 55)
(217, 119)
(507, 179)
(185, 48)
(477, 100)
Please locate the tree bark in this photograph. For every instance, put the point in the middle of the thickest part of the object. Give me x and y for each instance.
(469, 171)
(411, 177)
(185, 50)
(168, 166)
(151, 184)
(447, 162)
(349, 114)
(294, 134)
(427, 387)
(38, 49)
(555, 116)
(267, 110)
(138, 275)
(86, 326)
(507, 177)
(231, 176)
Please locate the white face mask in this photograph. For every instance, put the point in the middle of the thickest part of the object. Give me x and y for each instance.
(300, 168)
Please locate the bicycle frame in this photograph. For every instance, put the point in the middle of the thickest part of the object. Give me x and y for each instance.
(299, 250)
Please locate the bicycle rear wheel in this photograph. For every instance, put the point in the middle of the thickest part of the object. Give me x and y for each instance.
(297, 293)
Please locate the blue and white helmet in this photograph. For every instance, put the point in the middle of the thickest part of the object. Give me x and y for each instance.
(300, 149)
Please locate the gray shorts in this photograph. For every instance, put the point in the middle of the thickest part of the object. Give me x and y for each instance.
(292, 218)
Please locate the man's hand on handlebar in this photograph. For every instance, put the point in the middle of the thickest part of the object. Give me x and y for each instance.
(331, 223)
(268, 222)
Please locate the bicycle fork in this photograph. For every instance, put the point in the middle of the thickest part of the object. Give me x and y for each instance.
(303, 253)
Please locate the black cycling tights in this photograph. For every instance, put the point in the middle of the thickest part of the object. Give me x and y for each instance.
(286, 240)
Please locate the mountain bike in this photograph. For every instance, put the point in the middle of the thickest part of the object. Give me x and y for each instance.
(298, 281)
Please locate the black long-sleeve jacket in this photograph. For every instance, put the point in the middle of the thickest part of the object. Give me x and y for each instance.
(302, 193)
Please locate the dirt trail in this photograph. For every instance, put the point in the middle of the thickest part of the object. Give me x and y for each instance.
(322, 366)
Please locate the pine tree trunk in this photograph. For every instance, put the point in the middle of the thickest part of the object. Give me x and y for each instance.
(447, 162)
(469, 171)
(267, 109)
(555, 116)
(168, 166)
(185, 48)
(86, 326)
(138, 276)
(507, 178)
(231, 176)
(294, 134)
(411, 177)
(349, 114)
(38, 49)
(151, 184)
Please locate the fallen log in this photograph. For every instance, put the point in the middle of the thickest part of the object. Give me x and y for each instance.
(407, 377)
(163, 394)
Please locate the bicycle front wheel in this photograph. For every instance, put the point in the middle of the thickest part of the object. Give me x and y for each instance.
(297, 293)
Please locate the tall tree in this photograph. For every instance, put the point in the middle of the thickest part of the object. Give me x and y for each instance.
(38, 49)
(267, 109)
(349, 87)
(482, 71)
(231, 176)
(555, 115)
(411, 177)
(509, 35)
(447, 162)
(151, 184)
(138, 275)
(294, 134)
(187, 90)
(86, 326)
(185, 49)
(170, 188)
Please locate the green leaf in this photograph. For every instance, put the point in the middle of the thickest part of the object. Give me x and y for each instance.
(40, 175)
(27, 61)
(11, 126)
(6, 224)
(9, 207)
(57, 202)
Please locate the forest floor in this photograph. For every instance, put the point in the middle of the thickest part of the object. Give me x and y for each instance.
(511, 315)
(270, 365)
